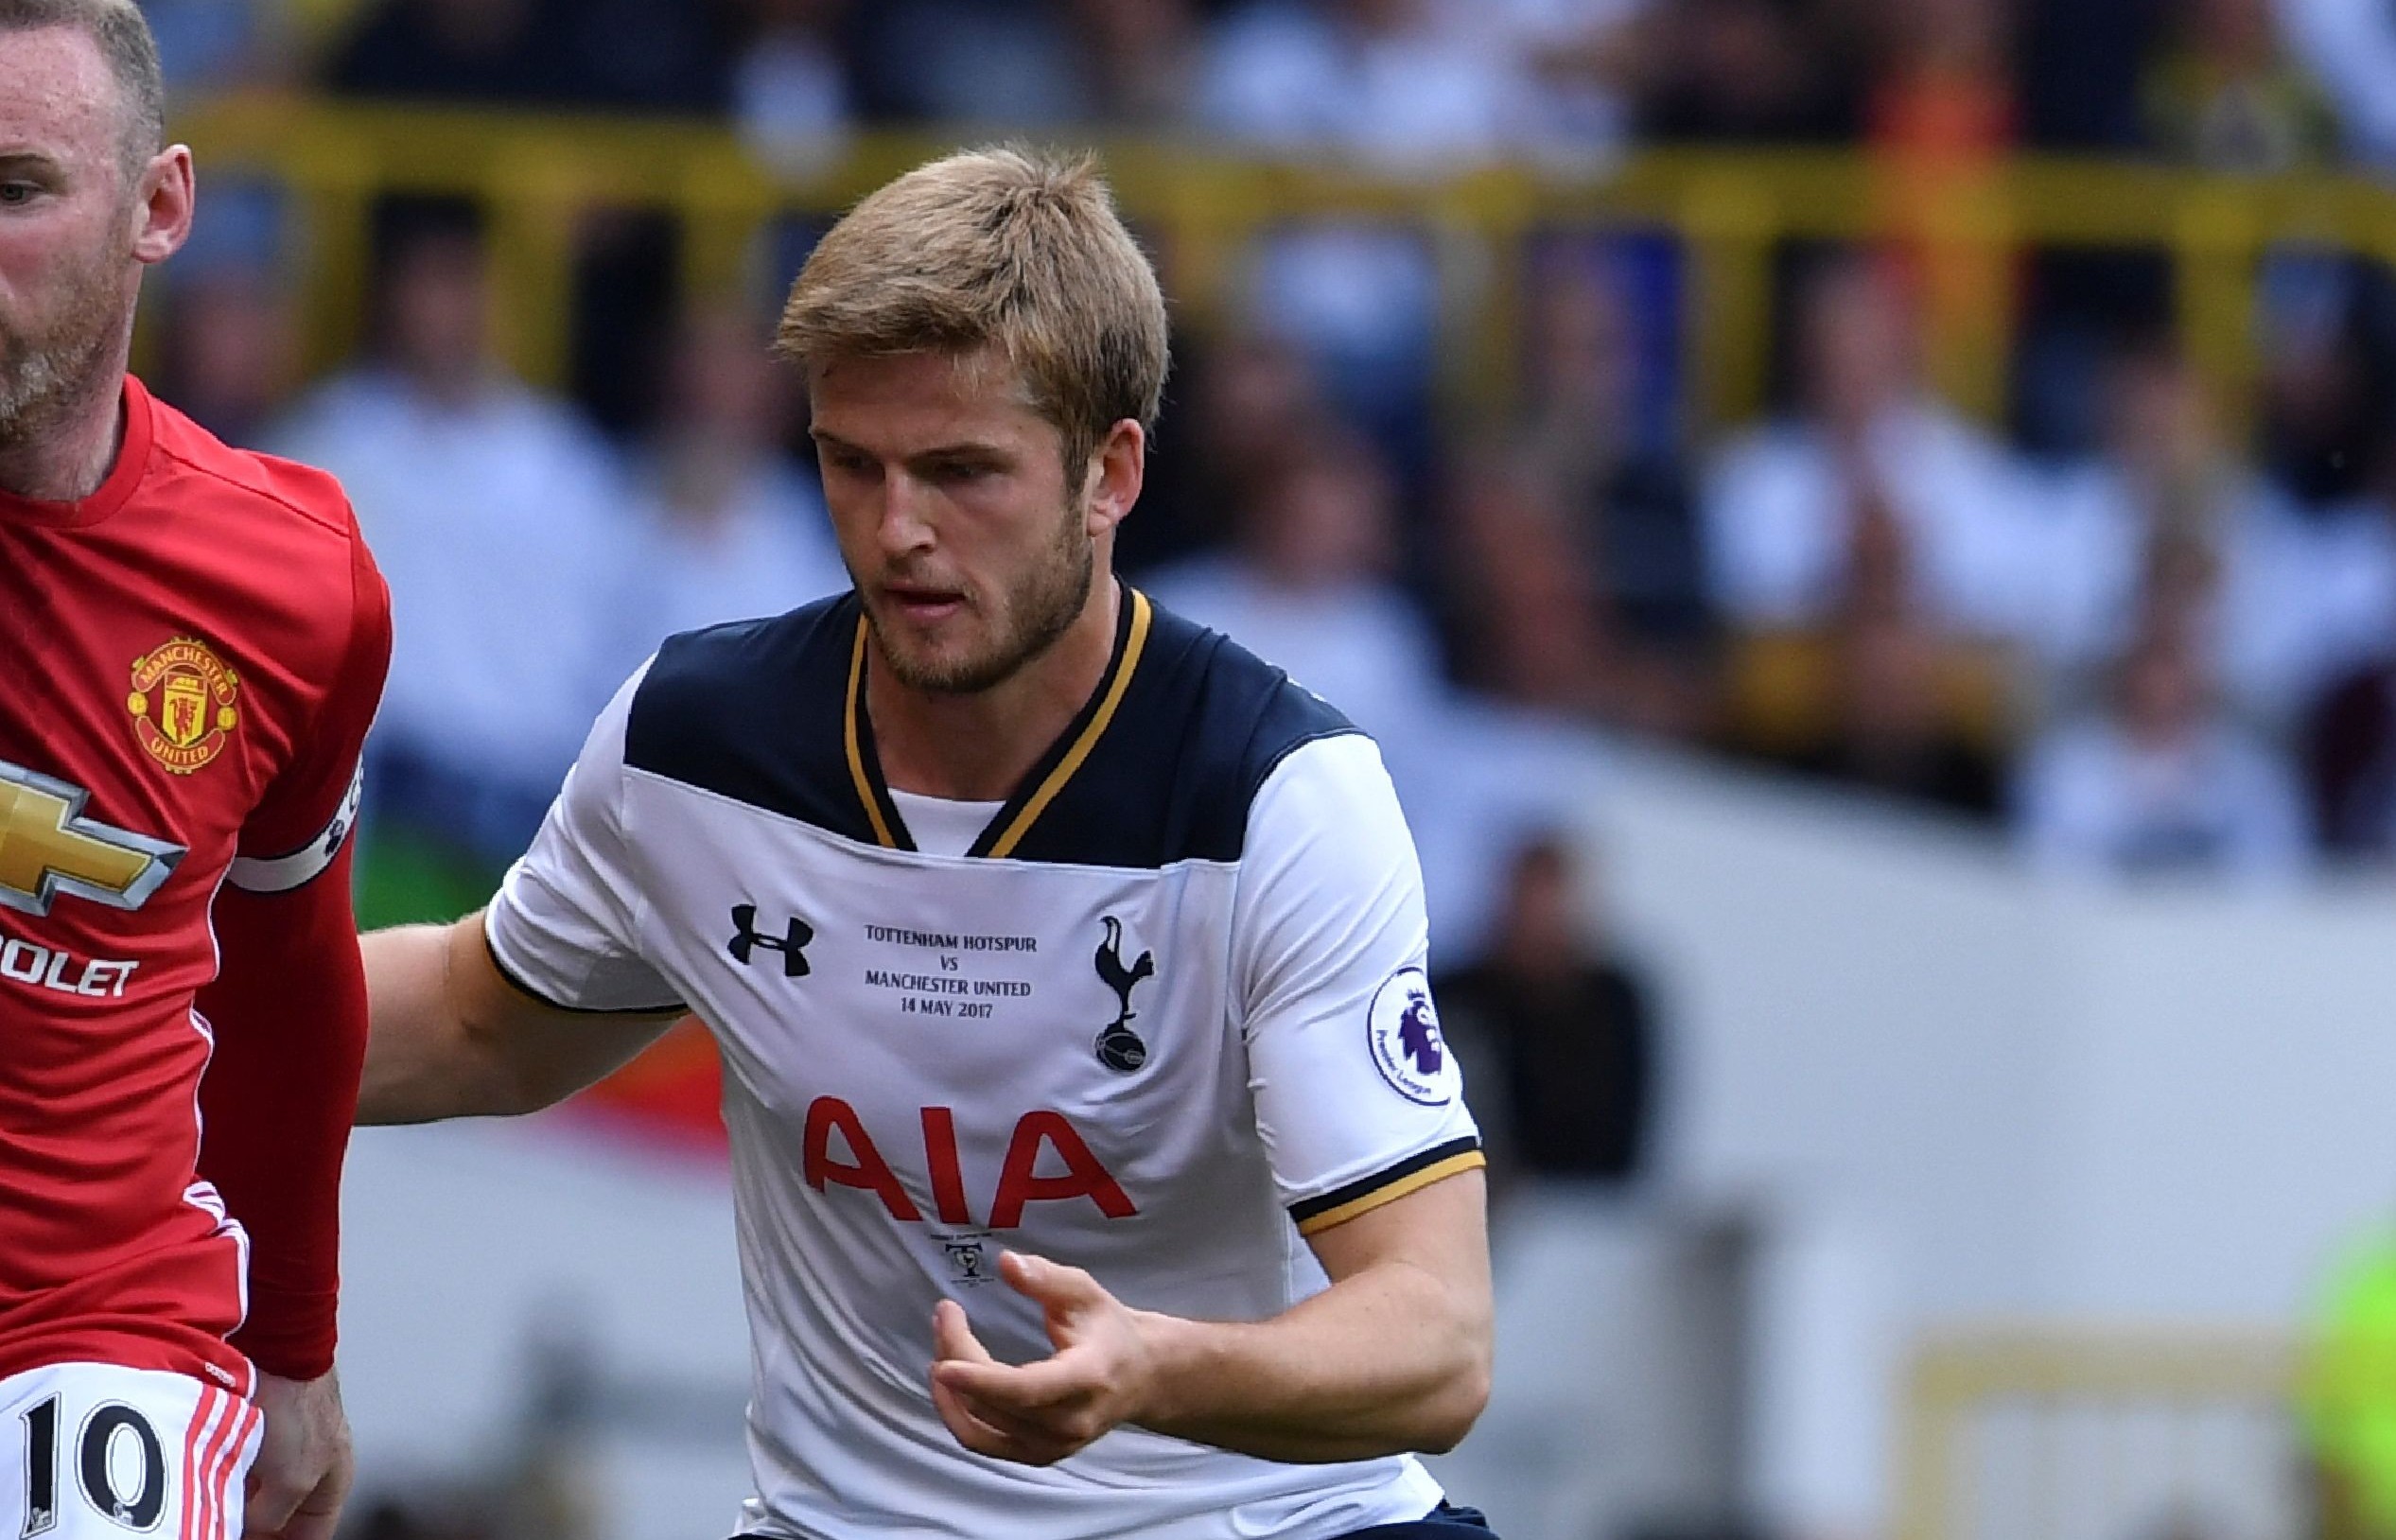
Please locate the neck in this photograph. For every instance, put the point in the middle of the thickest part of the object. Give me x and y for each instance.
(979, 747)
(66, 454)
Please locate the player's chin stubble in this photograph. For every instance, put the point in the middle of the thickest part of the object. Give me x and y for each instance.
(44, 373)
(1036, 613)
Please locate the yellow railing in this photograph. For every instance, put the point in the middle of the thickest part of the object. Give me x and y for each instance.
(1729, 208)
(2053, 1435)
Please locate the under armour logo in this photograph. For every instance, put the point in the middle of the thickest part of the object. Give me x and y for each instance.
(791, 943)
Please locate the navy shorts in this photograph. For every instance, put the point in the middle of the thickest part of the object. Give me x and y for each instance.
(1446, 1522)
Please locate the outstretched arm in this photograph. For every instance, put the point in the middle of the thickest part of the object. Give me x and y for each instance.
(1394, 1356)
(453, 1038)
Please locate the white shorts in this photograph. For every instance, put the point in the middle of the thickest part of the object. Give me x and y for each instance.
(91, 1451)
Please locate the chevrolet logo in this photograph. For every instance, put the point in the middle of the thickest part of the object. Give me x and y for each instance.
(48, 847)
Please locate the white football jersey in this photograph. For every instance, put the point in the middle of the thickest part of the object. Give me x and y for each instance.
(1164, 1019)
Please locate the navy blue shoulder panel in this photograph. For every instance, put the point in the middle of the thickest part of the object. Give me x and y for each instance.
(754, 712)
(1202, 724)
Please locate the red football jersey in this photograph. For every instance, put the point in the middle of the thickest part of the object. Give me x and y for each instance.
(192, 656)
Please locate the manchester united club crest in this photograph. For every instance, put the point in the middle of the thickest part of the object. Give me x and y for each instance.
(183, 704)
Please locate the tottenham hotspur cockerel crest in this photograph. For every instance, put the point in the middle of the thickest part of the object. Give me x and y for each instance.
(1120, 1048)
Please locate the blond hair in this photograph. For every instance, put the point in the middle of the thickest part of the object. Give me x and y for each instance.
(1001, 249)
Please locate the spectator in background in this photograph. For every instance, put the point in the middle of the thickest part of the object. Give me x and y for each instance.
(2168, 519)
(1623, 477)
(2351, 765)
(1941, 121)
(2328, 388)
(1539, 625)
(498, 517)
(992, 64)
(1139, 58)
(2223, 95)
(634, 55)
(1870, 467)
(211, 45)
(734, 530)
(1030, 64)
(1625, 491)
(449, 50)
(792, 96)
(1750, 72)
(1901, 705)
(1532, 632)
(228, 355)
(1373, 79)
(2350, 736)
(2079, 66)
(1307, 586)
(1238, 404)
(2349, 47)
(1379, 82)
(2164, 781)
(1576, 62)
(1556, 1032)
(1943, 87)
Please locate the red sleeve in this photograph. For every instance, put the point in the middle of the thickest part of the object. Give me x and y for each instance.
(289, 1008)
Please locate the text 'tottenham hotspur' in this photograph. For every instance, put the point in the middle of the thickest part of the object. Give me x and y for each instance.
(948, 940)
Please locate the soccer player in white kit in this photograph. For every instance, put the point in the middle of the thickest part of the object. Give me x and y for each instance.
(1099, 1167)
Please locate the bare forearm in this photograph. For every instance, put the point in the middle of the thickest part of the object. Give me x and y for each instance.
(1389, 1360)
(450, 1038)
(422, 1061)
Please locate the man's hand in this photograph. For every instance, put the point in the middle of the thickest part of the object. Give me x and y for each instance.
(1101, 1375)
(305, 1463)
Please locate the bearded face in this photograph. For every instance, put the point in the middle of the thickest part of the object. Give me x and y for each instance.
(73, 228)
(56, 347)
(971, 548)
(1021, 614)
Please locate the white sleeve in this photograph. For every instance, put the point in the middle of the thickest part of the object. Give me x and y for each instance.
(564, 928)
(1358, 1100)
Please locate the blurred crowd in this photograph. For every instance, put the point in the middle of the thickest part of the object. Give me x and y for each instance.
(2136, 628)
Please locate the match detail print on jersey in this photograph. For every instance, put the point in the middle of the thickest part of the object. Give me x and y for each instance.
(48, 847)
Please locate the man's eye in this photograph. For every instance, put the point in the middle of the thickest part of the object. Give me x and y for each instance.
(17, 192)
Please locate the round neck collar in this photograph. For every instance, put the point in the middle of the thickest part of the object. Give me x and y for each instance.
(132, 461)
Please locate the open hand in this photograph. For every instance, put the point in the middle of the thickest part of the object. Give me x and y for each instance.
(1101, 1375)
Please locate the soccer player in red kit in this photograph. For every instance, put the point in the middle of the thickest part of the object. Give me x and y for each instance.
(192, 642)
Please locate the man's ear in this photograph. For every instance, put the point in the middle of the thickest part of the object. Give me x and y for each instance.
(162, 202)
(1117, 471)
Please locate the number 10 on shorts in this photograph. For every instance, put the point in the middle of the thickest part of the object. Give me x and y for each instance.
(104, 1451)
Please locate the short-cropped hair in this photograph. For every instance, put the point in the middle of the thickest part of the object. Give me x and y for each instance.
(1004, 249)
(125, 41)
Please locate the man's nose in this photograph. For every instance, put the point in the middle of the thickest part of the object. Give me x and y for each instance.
(906, 523)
